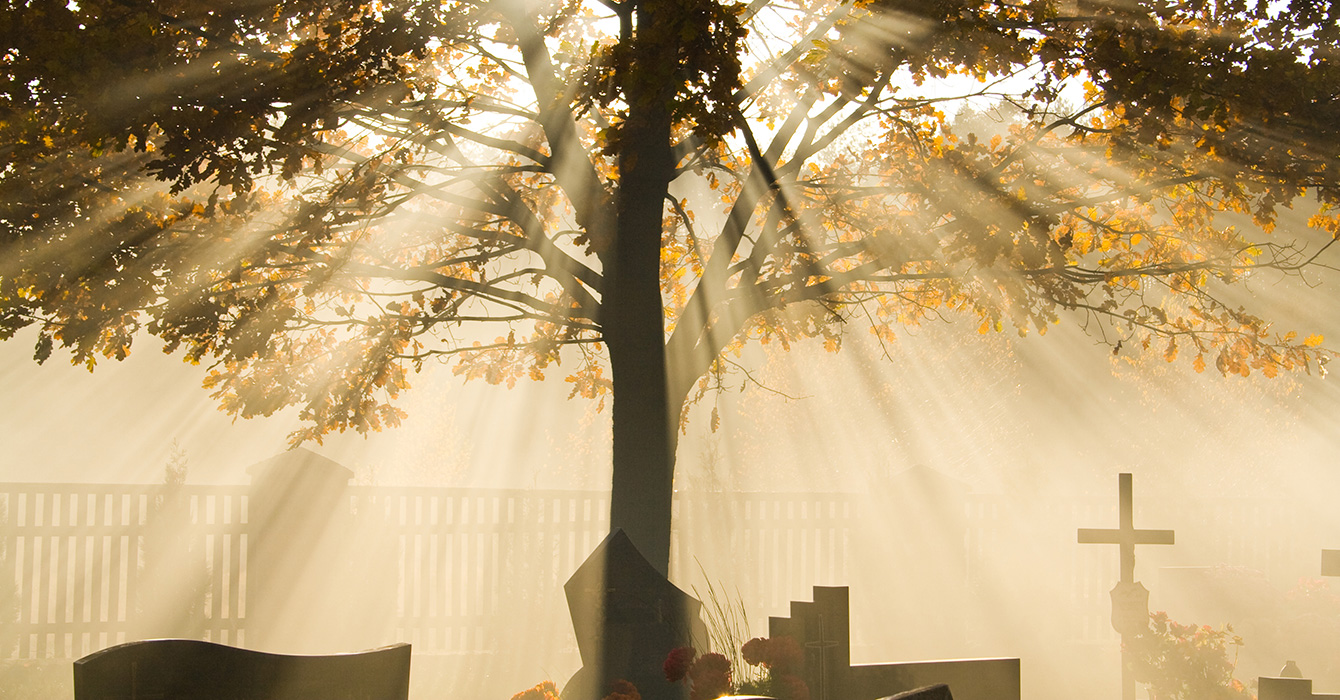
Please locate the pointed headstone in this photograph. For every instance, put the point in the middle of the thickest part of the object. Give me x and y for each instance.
(627, 617)
(299, 520)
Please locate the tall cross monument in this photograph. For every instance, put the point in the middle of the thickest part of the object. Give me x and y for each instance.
(1130, 599)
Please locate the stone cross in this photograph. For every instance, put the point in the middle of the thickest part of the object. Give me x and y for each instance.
(1130, 600)
(1125, 535)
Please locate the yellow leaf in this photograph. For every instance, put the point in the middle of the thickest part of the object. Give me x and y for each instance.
(1199, 364)
(1314, 340)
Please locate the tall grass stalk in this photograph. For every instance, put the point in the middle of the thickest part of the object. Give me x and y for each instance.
(727, 628)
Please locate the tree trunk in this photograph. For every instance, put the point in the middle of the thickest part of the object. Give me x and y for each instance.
(634, 330)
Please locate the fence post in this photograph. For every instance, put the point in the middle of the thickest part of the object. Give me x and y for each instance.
(9, 599)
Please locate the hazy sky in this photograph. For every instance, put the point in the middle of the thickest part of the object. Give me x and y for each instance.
(62, 423)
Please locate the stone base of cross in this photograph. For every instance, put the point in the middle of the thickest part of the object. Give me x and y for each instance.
(1130, 608)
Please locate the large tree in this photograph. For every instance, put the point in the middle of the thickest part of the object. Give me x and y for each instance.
(314, 197)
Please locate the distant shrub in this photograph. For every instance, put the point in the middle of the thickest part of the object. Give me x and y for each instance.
(1186, 662)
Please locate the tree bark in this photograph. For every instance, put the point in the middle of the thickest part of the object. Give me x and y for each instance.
(634, 327)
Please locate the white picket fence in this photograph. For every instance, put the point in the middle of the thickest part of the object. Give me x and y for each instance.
(74, 558)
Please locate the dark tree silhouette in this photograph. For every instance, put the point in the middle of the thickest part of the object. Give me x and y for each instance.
(314, 198)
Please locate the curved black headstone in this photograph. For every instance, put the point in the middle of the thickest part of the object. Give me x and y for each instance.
(939, 691)
(188, 669)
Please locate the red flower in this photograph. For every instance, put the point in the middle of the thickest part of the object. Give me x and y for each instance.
(710, 677)
(755, 651)
(623, 690)
(784, 656)
(677, 663)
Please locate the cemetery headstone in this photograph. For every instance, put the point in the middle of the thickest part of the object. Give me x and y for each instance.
(1330, 562)
(303, 563)
(930, 692)
(1130, 599)
(1289, 685)
(188, 669)
(823, 629)
(1280, 688)
(627, 617)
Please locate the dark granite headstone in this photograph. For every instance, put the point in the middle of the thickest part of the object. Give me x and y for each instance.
(823, 628)
(627, 617)
(931, 692)
(188, 669)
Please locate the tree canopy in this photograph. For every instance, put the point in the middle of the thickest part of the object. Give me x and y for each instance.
(314, 198)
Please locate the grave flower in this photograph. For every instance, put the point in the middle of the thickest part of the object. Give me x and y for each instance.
(780, 655)
(755, 651)
(783, 658)
(709, 677)
(677, 663)
(1187, 662)
(623, 690)
(542, 691)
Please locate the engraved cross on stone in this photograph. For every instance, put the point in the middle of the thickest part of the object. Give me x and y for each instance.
(1125, 535)
(822, 644)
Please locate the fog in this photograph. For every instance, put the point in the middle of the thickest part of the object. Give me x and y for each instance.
(968, 462)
